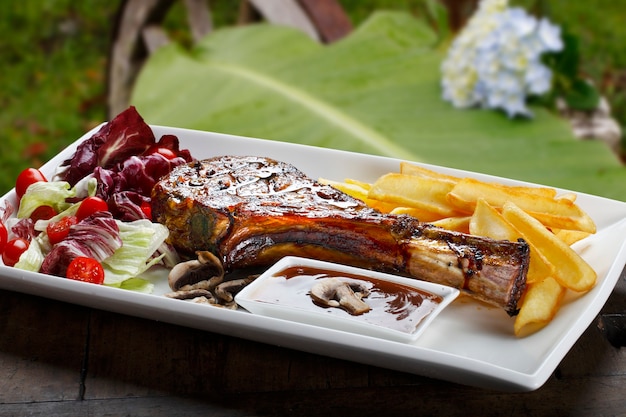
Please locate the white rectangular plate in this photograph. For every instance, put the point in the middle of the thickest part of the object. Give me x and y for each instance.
(468, 343)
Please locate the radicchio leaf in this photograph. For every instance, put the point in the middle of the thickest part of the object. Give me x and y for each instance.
(106, 182)
(6, 211)
(126, 135)
(141, 173)
(24, 228)
(126, 206)
(96, 236)
(115, 148)
(171, 142)
(130, 183)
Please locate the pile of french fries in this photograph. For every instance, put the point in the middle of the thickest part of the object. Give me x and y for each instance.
(548, 222)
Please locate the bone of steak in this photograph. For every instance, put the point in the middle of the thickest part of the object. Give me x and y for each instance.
(251, 211)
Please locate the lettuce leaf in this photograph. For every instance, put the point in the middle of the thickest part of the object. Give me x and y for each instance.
(53, 194)
(32, 259)
(136, 284)
(56, 194)
(140, 240)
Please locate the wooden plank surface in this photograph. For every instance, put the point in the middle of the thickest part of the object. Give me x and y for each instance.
(62, 359)
(42, 346)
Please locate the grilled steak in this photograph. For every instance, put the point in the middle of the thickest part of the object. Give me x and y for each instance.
(251, 211)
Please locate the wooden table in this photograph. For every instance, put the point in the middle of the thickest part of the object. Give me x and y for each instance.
(61, 359)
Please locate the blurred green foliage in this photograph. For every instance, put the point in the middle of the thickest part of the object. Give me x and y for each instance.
(54, 56)
(54, 62)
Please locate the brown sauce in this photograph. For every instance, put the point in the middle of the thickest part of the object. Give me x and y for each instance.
(393, 305)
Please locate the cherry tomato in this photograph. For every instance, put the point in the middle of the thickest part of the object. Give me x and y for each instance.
(85, 269)
(57, 231)
(91, 205)
(4, 236)
(43, 213)
(13, 249)
(165, 152)
(26, 178)
(146, 208)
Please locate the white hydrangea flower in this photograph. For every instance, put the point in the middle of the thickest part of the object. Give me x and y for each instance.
(495, 62)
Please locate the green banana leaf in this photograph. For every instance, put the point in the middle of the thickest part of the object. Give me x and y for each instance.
(376, 91)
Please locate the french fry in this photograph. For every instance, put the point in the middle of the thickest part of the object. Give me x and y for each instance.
(419, 171)
(539, 306)
(570, 236)
(568, 196)
(553, 213)
(571, 271)
(364, 185)
(359, 190)
(354, 190)
(426, 194)
(457, 224)
(381, 206)
(487, 221)
(420, 214)
(506, 191)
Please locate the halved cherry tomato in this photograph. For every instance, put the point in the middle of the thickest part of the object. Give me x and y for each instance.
(43, 213)
(13, 249)
(4, 236)
(165, 152)
(26, 178)
(57, 231)
(89, 206)
(85, 269)
(146, 208)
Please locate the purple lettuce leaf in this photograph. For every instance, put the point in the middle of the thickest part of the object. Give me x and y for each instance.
(126, 135)
(24, 228)
(96, 236)
(130, 183)
(171, 142)
(126, 206)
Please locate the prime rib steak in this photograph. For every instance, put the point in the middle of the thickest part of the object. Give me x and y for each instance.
(251, 211)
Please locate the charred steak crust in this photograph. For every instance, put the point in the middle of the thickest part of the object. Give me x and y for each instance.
(251, 211)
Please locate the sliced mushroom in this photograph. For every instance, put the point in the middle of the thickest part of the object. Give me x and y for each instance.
(203, 273)
(202, 281)
(200, 296)
(333, 292)
(227, 290)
